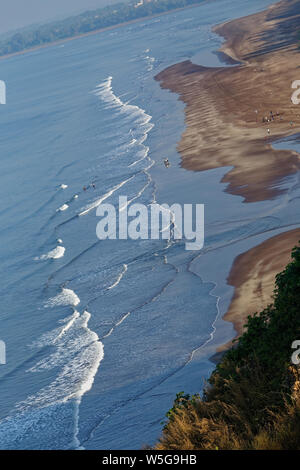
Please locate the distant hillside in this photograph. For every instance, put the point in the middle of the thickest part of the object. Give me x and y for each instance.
(87, 22)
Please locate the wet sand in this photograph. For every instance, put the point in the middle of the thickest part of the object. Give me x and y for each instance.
(225, 106)
(253, 276)
(224, 114)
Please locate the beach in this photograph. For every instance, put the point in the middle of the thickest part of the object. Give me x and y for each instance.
(253, 276)
(233, 115)
(102, 334)
(222, 125)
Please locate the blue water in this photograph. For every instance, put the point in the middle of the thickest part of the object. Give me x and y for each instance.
(101, 335)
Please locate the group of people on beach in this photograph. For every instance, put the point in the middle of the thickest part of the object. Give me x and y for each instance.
(272, 117)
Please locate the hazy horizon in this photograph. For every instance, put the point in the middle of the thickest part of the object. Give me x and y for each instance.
(16, 14)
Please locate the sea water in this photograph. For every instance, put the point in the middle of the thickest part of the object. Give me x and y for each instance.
(101, 335)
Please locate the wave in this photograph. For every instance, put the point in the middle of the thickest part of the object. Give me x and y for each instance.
(123, 318)
(150, 62)
(97, 203)
(139, 129)
(119, 278)
(72, 351)
(77, 356)
(62, 208)
(138, 194)
(68, 325)
(56, 253)
(105, 92)
(65, 297)
(89, 378)
(144, 154)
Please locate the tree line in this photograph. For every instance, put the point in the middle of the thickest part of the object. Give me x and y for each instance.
(87, 22)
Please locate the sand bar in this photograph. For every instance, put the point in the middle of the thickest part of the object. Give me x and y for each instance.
(232, 116)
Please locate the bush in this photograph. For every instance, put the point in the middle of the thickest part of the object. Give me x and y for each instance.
(253, 397)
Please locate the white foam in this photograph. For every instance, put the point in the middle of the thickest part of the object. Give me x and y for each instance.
(150, 62)
(65, 297)
(135, 197)
(68, 325)
(140, 126)
(144, 154)
(89, 378)
(64, 207)
(105, 92)
(122, 319)
(119, 278)
(109, 333)
(97, 203)
(77, 356)
(73, 338)
(57, 253)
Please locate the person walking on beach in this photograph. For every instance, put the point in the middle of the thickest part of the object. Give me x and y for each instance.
(268, 131)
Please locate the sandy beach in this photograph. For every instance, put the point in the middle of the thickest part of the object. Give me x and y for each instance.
(225, 107)
(233, 114)
(253, 276)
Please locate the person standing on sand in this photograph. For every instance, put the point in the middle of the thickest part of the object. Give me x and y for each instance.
(268, 130)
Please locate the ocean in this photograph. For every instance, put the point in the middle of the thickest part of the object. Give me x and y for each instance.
(101, 335)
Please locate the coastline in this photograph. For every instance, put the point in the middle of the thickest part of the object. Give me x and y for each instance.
(222, 126)
(224, 112)
(253, 276)
(92, 33)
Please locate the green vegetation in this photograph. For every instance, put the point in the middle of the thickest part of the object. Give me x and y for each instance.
(253, 397)
(88, 22)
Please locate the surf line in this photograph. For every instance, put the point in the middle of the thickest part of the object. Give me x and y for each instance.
(105, 196)
(119, 278)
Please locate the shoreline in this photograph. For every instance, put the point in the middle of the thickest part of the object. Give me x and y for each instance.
(96, 31)
(253, 276)
(224, 113)
(225, 107)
